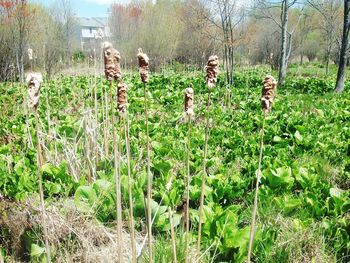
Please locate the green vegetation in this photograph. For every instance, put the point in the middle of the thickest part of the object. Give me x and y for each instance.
(304, 198)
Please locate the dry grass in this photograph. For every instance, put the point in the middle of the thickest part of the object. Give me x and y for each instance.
(74, 237)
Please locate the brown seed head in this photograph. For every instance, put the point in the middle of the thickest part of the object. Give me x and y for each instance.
(189, 101)
(212, 70)
(112, 62)
(122, 97)
(34, 81)
(268, 93)
(143, 65)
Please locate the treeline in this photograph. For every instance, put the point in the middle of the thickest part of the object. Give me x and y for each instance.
(185, 33)
(32, 35)
(257, 32)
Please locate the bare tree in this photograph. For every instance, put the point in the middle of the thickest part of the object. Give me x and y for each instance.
(63, 14)
(231, 15)
(330, 12)
(267, 9)
(339, 87)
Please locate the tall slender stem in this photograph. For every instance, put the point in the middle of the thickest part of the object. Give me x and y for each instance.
(106, 135)
(131, 202)
(188, 189)
(255, 207)
(41, 192)
(173, 240)
(149, 186)
(204, 175)
(117, 178)
(119, 199)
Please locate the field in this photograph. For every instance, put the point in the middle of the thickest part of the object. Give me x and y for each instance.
(304, 197)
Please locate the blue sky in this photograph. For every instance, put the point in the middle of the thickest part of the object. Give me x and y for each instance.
(87, 8)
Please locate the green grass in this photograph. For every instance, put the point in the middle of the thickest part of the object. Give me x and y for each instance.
(304, 198)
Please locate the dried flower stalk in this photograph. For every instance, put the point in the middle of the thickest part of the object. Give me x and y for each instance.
(122, 97)
(189, 100)
(143, 65)
(268, 93)
(34, 81)
(112, 62)
(212, 70)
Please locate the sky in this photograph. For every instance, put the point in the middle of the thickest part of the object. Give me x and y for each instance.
(85, 8)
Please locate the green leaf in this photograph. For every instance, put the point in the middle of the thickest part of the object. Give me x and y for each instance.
(298, 136)
(85, 198)
(281, 177)
(36, 251)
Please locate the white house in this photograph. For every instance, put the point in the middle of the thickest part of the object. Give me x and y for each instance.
(91, 30)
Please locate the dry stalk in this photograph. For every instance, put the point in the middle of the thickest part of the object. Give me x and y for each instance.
(212, 72)
(112, 72)
(122, 109)
(189, 101)
(143, 67)
(34, 81)
(119, 197)
(269, 86)
(172, 232)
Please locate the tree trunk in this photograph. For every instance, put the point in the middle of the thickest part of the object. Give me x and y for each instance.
(339, 87)
(283, 57)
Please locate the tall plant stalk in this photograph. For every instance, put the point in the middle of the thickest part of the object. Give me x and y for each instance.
(188, 189)
(149, 183)
(116, 148)
(268, 94)
(255, 206)
(211, 79)
(204, 175)
(119, 199)
(106, 135)
(131, 202)
(172, 232)
(41, 192)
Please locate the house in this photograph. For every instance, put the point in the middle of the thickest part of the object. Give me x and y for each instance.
(90, 32)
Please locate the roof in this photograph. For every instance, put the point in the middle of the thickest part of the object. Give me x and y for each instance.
(92, 21)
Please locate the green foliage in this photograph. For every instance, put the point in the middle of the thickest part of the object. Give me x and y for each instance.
(305, 173)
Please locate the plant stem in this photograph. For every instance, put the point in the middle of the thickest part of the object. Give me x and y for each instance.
(204, 175)
(117, 179)
(119, 199)
(173, 241)
(255, 207)
(107, 122)
(41, 192)
(131, 202)
(188, 188)
(149, 186)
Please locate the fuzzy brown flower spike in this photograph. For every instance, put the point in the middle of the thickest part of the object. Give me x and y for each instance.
(143, 65)
(268, 93)
(112, 62)
(34, 81)
(189, 99)
(122, 97)
(212, 70)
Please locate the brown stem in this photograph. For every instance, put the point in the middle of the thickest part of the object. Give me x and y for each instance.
(107, 122)
(131, 202)
(117, 179)
(41, 192)
(173, 241)
(255, 207)
(204, 175)
(149, 186)
(188, 189)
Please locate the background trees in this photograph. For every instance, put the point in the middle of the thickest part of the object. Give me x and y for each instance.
(181, 33)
